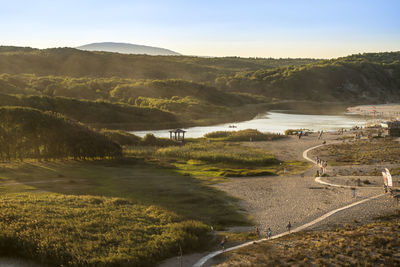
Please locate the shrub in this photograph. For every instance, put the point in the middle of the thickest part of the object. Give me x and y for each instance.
(295, 131)
(218, 134)
(121, 137)
(150, 140)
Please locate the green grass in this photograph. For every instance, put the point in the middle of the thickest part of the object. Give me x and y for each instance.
(212, 161)
(243, 135)
(108, 213)
(228, 153)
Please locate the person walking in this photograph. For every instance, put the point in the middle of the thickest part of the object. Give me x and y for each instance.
(269, 233)
(320, 134)
(257, 231)
(353, 190)
(222, 244)
(289, 226)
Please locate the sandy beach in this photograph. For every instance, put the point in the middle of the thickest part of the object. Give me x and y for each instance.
(389, 111)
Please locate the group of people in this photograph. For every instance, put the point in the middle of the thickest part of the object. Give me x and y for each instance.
(268, 234)
(322, 164)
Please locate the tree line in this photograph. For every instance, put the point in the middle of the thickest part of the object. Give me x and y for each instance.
(30, 133)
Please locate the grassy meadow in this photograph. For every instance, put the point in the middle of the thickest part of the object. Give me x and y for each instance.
(107, 213)
(219, 155)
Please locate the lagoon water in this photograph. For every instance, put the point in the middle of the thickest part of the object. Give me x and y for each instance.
(275, 122)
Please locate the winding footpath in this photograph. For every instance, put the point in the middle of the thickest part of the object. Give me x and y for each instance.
(203, 260)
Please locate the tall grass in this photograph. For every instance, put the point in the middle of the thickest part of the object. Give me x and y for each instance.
(219, 153)
(243, 135)
(93, 231)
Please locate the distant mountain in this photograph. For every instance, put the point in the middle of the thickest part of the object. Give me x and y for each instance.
(126, 48)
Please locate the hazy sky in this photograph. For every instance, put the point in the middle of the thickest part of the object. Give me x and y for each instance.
(269, 28)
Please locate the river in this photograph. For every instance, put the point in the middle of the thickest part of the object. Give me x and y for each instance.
(275, 122)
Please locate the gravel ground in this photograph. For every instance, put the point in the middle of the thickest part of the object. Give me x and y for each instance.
(274, 201)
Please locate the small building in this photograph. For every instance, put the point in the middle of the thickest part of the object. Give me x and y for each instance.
(177, 135)
(394, 128)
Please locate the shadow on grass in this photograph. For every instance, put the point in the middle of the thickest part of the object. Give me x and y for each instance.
(132, 179)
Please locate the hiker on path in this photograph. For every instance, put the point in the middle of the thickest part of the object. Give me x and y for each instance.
(222, 244)
(257, 231)
(353, 189)
(325, 165)
(300, 134)
(320, 134)
(289, 226)
(269, 233)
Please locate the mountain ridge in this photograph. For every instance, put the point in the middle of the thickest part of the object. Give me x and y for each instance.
(128, 48)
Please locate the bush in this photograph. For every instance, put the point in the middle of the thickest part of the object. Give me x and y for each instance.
(218, 134)
(295, 131)
(121, 137)
(150, 140)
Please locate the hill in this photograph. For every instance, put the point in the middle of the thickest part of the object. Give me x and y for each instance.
(125, 48)
(97, 113)
(199, 90)
(77, 63)
(363, 78)
(30, 133)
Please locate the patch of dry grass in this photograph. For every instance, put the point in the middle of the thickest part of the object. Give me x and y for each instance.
(366, 152)
(374, 244)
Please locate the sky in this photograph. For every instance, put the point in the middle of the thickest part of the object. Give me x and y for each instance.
(252, 28)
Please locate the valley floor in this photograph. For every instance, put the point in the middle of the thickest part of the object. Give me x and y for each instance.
(274, 201)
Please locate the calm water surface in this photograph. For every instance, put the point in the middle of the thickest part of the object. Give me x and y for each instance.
(275, 122)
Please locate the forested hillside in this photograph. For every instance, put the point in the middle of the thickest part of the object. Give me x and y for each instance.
(99, 113)
(367, 78)
(30, 133)
(154, 92)
(76, 63)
